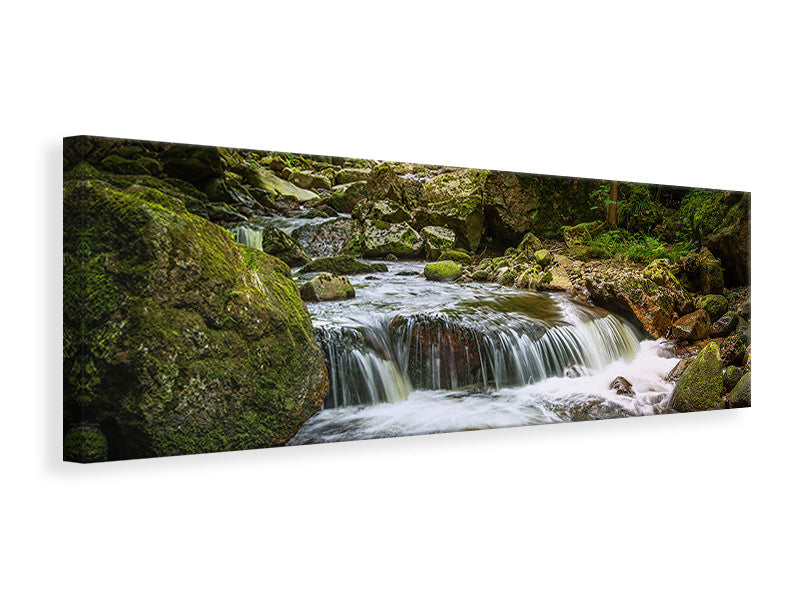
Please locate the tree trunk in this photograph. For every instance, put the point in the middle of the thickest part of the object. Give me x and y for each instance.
(612, 205)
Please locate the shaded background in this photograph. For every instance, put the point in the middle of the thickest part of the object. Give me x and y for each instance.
(672, 506)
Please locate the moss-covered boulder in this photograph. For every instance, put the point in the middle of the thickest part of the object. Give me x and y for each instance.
(349, 175)
(445, 270)
(280, 245)
(700, 386)
(437, 240)
(386, 211)
(480, 275)
(691, 327)
(328, 238)
(583, 233)
(309, 180)
(178, 340)
(740, 395)
(384, 184)
(529, 246)
(381, 238)
(455, 200)
(543, 257)
(85, 444)
(327, 287)
(733, 349)
(344, 264)
(715, 305)
(262, 178)
(457, 256)
(731, 377)
(345, 197)
(704, 272)
(628, 292)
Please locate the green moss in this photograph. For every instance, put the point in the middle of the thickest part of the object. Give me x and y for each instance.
(442, 270)
(480, 275)
(461, 258)
(543, 257)
(700, 386)
(342, 265)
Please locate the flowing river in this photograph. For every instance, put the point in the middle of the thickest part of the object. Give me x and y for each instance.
(409, 356)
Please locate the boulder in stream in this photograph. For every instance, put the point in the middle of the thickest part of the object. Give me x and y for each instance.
(381, 238)
(326, 287)
(445, 270)
(700, 386)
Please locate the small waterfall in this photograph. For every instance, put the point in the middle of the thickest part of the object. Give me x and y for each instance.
(248, 236)
(382, 361)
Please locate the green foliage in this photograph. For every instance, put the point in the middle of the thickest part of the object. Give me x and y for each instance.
(703, 211)
(633, 247)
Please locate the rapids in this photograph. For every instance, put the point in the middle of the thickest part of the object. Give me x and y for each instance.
(408, 356)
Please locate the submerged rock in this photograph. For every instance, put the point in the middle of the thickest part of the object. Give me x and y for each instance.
(344, 264)
(442, 271)
(327, 287)
(622, 386)
(188, 342)
(700, 386)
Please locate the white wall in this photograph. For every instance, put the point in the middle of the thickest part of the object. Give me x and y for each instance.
(675, 506)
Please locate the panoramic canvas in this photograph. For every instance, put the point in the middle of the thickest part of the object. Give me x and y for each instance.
(227, 299)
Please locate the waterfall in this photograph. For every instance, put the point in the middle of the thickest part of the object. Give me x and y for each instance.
(248, 236)
(383, 360)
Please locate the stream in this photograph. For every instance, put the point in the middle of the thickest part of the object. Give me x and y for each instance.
(408, 356)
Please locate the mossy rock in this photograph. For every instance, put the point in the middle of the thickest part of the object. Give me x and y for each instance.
(445, 270)
(85, 444)
(192, 163)
(455, 200)
(381, 239)
(725, 325)
(461, 258)
(347, 176)
(740, 395)
(715, 305)
(280, 245)
(343, 264)
(311, 181)
(262, 178)
(500, 262)
(437, 240)
(327, 287)
(508, 277)
(731, 377)
(177, 340)
(660, 271)
(543, 257)
(529, 245)
(583, 233)
(480, 275)
(700, 386)
(345, 197)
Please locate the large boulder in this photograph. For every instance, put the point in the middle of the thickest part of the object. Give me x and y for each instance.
(437, 240)
(344, 198)
(691, 327)
(510, 202)
(343, 264)
(345, 176)
(326, 238)
(326, 287)
(704, 272)
(715, 305)
(280, 245)
(640, 299)
(455, 200)
(176, 339)
(264, 179)
(381, 238)
(309, 180)
(700, 386)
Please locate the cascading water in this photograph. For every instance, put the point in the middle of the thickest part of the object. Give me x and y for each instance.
(408, 356)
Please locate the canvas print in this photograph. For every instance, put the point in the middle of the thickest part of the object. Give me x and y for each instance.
(226, 299)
